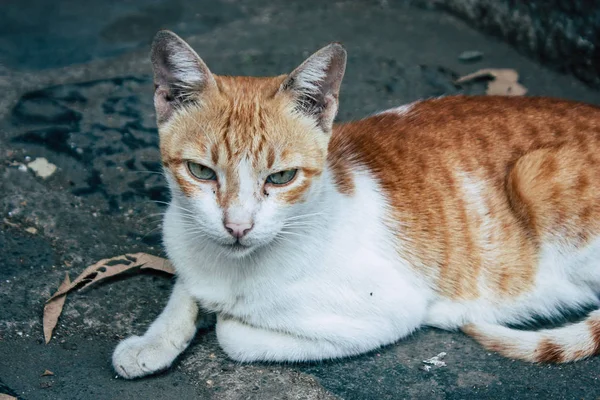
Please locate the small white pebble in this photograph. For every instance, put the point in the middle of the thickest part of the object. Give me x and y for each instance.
(42, 167)
(23, 168)
(27, 158)
(436, 360)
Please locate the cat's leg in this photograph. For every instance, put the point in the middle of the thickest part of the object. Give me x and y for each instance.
(246, 343)
(165, 339)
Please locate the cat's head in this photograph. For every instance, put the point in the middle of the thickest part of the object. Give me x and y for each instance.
(243, 155)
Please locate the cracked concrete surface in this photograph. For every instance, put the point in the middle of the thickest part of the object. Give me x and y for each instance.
(77, 90)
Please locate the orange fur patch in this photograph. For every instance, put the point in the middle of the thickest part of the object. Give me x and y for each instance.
(342, 172)
(245, 120)
(594, 326)
(549, 352)
(295, 195)
(535, 161)
(504, 348)
(532, 163)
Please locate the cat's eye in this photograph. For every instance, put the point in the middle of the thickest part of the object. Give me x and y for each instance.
(201, 172)
(282, 177)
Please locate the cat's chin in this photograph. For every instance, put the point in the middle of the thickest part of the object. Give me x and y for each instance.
(238, 250)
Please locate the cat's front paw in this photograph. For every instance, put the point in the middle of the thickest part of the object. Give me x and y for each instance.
(138, 356)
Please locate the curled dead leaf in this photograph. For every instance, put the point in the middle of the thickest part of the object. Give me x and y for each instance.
(503, 82)
(95, 273)
(102, 269)
(53, 309)
(47, 372)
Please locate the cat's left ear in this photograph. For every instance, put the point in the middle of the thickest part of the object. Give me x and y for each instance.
(180, 75)
(315, 84)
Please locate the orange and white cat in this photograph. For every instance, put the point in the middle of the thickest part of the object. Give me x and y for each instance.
(316, 241)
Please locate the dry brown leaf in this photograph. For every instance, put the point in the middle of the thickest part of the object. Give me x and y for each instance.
(504, 82)
(47, 373)
(95, 273)
(53, 309)
(100, 270)
(7, 397)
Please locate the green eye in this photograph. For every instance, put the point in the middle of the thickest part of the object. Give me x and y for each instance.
(282, 177)
(201, 172)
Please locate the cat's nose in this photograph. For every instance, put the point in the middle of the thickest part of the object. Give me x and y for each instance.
(238, 230)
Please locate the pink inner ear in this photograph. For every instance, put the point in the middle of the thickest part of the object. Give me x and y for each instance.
(329, 109)
(162, 104)
(316, 84)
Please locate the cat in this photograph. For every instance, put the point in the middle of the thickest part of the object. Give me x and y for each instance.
(315, 241)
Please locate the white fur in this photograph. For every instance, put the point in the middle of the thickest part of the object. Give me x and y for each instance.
(312, 73)
(401, 110)
(564, 281)
(329, 281)
(326, 279)
(333, 286)
(572, 339)
(185, 67)
(166, 338)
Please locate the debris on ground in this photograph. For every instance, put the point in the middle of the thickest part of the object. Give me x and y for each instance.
(46, 385)
(42, 167)
(11, 224)
(47, 372)
(503, 82)
(95, 273)
(7, 397)
(31, 230)
(106, 268)
(53, 309)
(470, 56)
(435, 361)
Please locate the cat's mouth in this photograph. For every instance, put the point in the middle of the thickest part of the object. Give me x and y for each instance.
(238, 249)
(236, 246)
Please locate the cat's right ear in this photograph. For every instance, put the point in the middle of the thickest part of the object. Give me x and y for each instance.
(315, 84)
(180, 75)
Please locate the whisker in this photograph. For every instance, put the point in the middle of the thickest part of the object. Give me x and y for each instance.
(283, 239)
(150, 216)
(296, 217)
(174, 205)
(139, 171)
(159, 202)
(159, 222)
(294, 234)
(189, 218)
(151, 231)
(199, 233)
(299, 224)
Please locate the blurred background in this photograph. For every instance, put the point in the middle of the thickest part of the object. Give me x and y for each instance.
(80, 175)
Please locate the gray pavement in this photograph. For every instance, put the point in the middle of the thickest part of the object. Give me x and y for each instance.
(76, 89)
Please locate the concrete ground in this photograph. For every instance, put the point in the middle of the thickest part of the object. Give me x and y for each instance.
(76, 89)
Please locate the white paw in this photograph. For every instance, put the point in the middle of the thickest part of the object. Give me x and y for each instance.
(138, 356)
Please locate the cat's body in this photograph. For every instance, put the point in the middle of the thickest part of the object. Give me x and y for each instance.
(454, 212)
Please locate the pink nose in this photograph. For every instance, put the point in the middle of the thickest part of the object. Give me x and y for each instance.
(238, 231)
